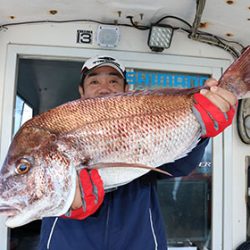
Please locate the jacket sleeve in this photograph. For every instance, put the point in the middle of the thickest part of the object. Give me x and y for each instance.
(187, 164)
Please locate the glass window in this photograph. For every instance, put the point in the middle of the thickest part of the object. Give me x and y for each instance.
(186, 206)
(23, 112)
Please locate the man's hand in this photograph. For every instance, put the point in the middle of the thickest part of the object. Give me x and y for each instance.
(214, 108)
(89, 194)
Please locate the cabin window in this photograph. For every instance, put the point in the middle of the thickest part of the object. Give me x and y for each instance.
(186, 206)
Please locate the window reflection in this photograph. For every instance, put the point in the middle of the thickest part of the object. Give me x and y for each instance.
(23, 112)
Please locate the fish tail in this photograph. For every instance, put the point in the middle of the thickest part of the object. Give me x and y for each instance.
(236, 78)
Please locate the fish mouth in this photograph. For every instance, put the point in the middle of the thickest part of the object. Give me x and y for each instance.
(8, 210)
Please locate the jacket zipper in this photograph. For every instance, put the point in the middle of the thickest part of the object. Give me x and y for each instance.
(152, 229)
(51, 233)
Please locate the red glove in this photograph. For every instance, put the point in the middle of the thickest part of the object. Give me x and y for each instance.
(92, 194)
(213, 121)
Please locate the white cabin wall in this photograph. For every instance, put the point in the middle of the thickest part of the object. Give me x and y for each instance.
(64, 35)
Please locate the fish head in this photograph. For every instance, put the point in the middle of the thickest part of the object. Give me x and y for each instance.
(36, 179)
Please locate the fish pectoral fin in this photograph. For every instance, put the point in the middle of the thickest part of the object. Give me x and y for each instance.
(83, 163)
(127, 165)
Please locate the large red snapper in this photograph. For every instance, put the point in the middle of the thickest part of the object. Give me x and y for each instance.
(38, 177)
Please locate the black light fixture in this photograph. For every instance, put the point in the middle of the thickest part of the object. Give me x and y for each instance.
(160, 37)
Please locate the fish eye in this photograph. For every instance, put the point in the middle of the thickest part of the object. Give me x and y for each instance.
(22, 166)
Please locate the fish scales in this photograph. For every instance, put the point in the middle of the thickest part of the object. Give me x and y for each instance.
(38, 177)
(146, 134)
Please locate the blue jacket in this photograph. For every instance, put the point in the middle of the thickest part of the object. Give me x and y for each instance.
(129, 218)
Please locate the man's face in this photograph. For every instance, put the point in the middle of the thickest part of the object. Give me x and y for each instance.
(102, 81)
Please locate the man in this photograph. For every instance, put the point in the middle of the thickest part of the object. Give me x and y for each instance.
(129, 217)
